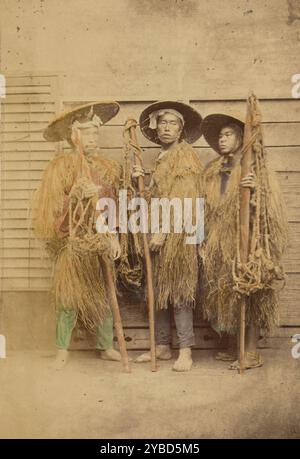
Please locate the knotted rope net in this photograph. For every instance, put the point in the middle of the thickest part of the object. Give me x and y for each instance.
(262, 271)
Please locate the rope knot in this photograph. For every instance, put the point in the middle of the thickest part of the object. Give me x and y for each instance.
(131, 122)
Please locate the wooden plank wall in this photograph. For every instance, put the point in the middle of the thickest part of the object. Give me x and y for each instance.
(32, 101)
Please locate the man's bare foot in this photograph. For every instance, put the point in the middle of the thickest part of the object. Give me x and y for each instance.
(61, 359)
(252, 360)
(162, 352)
(228, 356)
(184, 361)
(111, 354)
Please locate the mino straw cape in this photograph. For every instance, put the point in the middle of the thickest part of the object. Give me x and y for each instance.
(172, 274)
(176, 175)
(227, 277)
(66, 222)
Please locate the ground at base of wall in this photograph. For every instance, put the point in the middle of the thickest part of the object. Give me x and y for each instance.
(92, 398)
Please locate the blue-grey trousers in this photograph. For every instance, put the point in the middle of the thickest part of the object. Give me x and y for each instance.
(183, 317)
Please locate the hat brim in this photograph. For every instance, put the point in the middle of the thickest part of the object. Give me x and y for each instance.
(212, 125)
(60, 127)
(192, 120)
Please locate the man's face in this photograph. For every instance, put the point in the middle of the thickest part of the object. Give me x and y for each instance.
(229, 141)
(89, 139)
(169, 128)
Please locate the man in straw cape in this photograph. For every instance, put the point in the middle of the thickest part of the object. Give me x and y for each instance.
(65, 218)
(226, 279)
(174, 126)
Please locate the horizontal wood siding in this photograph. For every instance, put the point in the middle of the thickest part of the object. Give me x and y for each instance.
(32, 101)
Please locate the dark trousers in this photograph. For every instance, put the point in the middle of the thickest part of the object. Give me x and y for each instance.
(184, 326)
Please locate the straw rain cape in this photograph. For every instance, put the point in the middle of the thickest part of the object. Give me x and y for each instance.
(175, 267)
(67, 227)
(222, 287)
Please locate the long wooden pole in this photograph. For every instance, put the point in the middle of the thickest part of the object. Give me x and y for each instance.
(245, 194)
(110, 288)
(150, 294)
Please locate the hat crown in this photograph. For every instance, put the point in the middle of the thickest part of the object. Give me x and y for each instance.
(60, 127)
(212, 126)
(83, 117)
(192, 120)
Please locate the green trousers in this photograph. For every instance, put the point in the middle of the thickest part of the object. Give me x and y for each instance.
(66, 321)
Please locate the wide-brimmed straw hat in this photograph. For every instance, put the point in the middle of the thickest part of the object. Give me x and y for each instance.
(192, 120)
(212, 126)
(61, 127)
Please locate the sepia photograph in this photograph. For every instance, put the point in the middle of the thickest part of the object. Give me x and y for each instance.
(149, 222)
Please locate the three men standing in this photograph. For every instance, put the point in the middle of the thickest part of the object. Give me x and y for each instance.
(65, 218)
